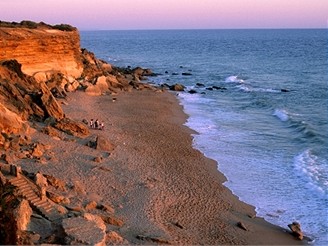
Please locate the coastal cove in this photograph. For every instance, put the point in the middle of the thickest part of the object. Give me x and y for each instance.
(203, 140)
(163, 189)
(265, 140)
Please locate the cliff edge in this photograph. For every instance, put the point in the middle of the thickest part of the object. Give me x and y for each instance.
(42, 49)
(39, 66)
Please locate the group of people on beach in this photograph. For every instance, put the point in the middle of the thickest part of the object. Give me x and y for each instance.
(96, 124)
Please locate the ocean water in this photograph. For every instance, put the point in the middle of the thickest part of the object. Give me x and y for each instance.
(267, 127)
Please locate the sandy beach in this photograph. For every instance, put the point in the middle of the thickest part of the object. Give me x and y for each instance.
(163, 190)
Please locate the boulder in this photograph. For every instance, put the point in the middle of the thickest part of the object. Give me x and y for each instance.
(106, 208)
(93, 90)
(49, 130)
(78, 187)
(10, 122)
(57, 183)
(295, 227)
(72, 86)
(113, 220)
(71, 127)
(97, 219)
(242, 226)
(57, 198)
(101, 83)
(103, 144)
(82, 231)
(22, 215)
(37, 150)
(23, 96)
(49, 103)
(98, 159)
(113, 238)
(177, 87)
(113, 82)
(91, 205)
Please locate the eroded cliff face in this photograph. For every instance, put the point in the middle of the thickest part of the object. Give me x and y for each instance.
(42, 50)
(39, 66)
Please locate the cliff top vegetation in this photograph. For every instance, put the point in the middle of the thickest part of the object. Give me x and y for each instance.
(34, 25)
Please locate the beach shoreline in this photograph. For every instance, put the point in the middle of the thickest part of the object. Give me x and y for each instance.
(163, 189)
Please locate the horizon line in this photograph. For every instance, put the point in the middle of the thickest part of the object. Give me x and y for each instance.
(200, 29)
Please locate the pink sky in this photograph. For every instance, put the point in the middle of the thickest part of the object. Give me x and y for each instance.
(170, 14)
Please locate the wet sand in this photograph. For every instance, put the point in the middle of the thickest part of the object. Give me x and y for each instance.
(157, 183)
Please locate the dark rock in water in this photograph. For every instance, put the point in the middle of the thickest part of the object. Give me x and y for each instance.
(166, 72)
(165, 85)
(295, 227)
(140, 72)
(209, 88)
(218, 87)
(200, 85)
(175, 74)
(177, 87)
(187, 74)
(192, 91)
(285, 90)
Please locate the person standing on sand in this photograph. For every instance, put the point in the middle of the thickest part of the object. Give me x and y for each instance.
(91, 123)
(96, 124)
(102, 126)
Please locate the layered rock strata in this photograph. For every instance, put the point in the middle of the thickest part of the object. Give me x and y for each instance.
(39, 66)
(42, 50)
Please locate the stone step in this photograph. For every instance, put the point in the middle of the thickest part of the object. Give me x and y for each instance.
(35, 200)
(28, 192)
(50, 213)
(32, 197)
(24, 186)
(54, 216)
(15, 178)
(40, 203)
(47, 205)
(18, 182)
(48, 210)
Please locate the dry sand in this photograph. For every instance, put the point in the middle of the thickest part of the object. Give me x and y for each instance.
(157, 183)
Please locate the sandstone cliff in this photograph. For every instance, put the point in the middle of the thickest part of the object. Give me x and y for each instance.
(42, 49)
(39, 63)
(39, 66)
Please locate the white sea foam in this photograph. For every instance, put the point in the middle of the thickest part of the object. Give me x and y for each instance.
(309, 165)
(234, 79)
(248, 88)
(111, 59)
(282, 114)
